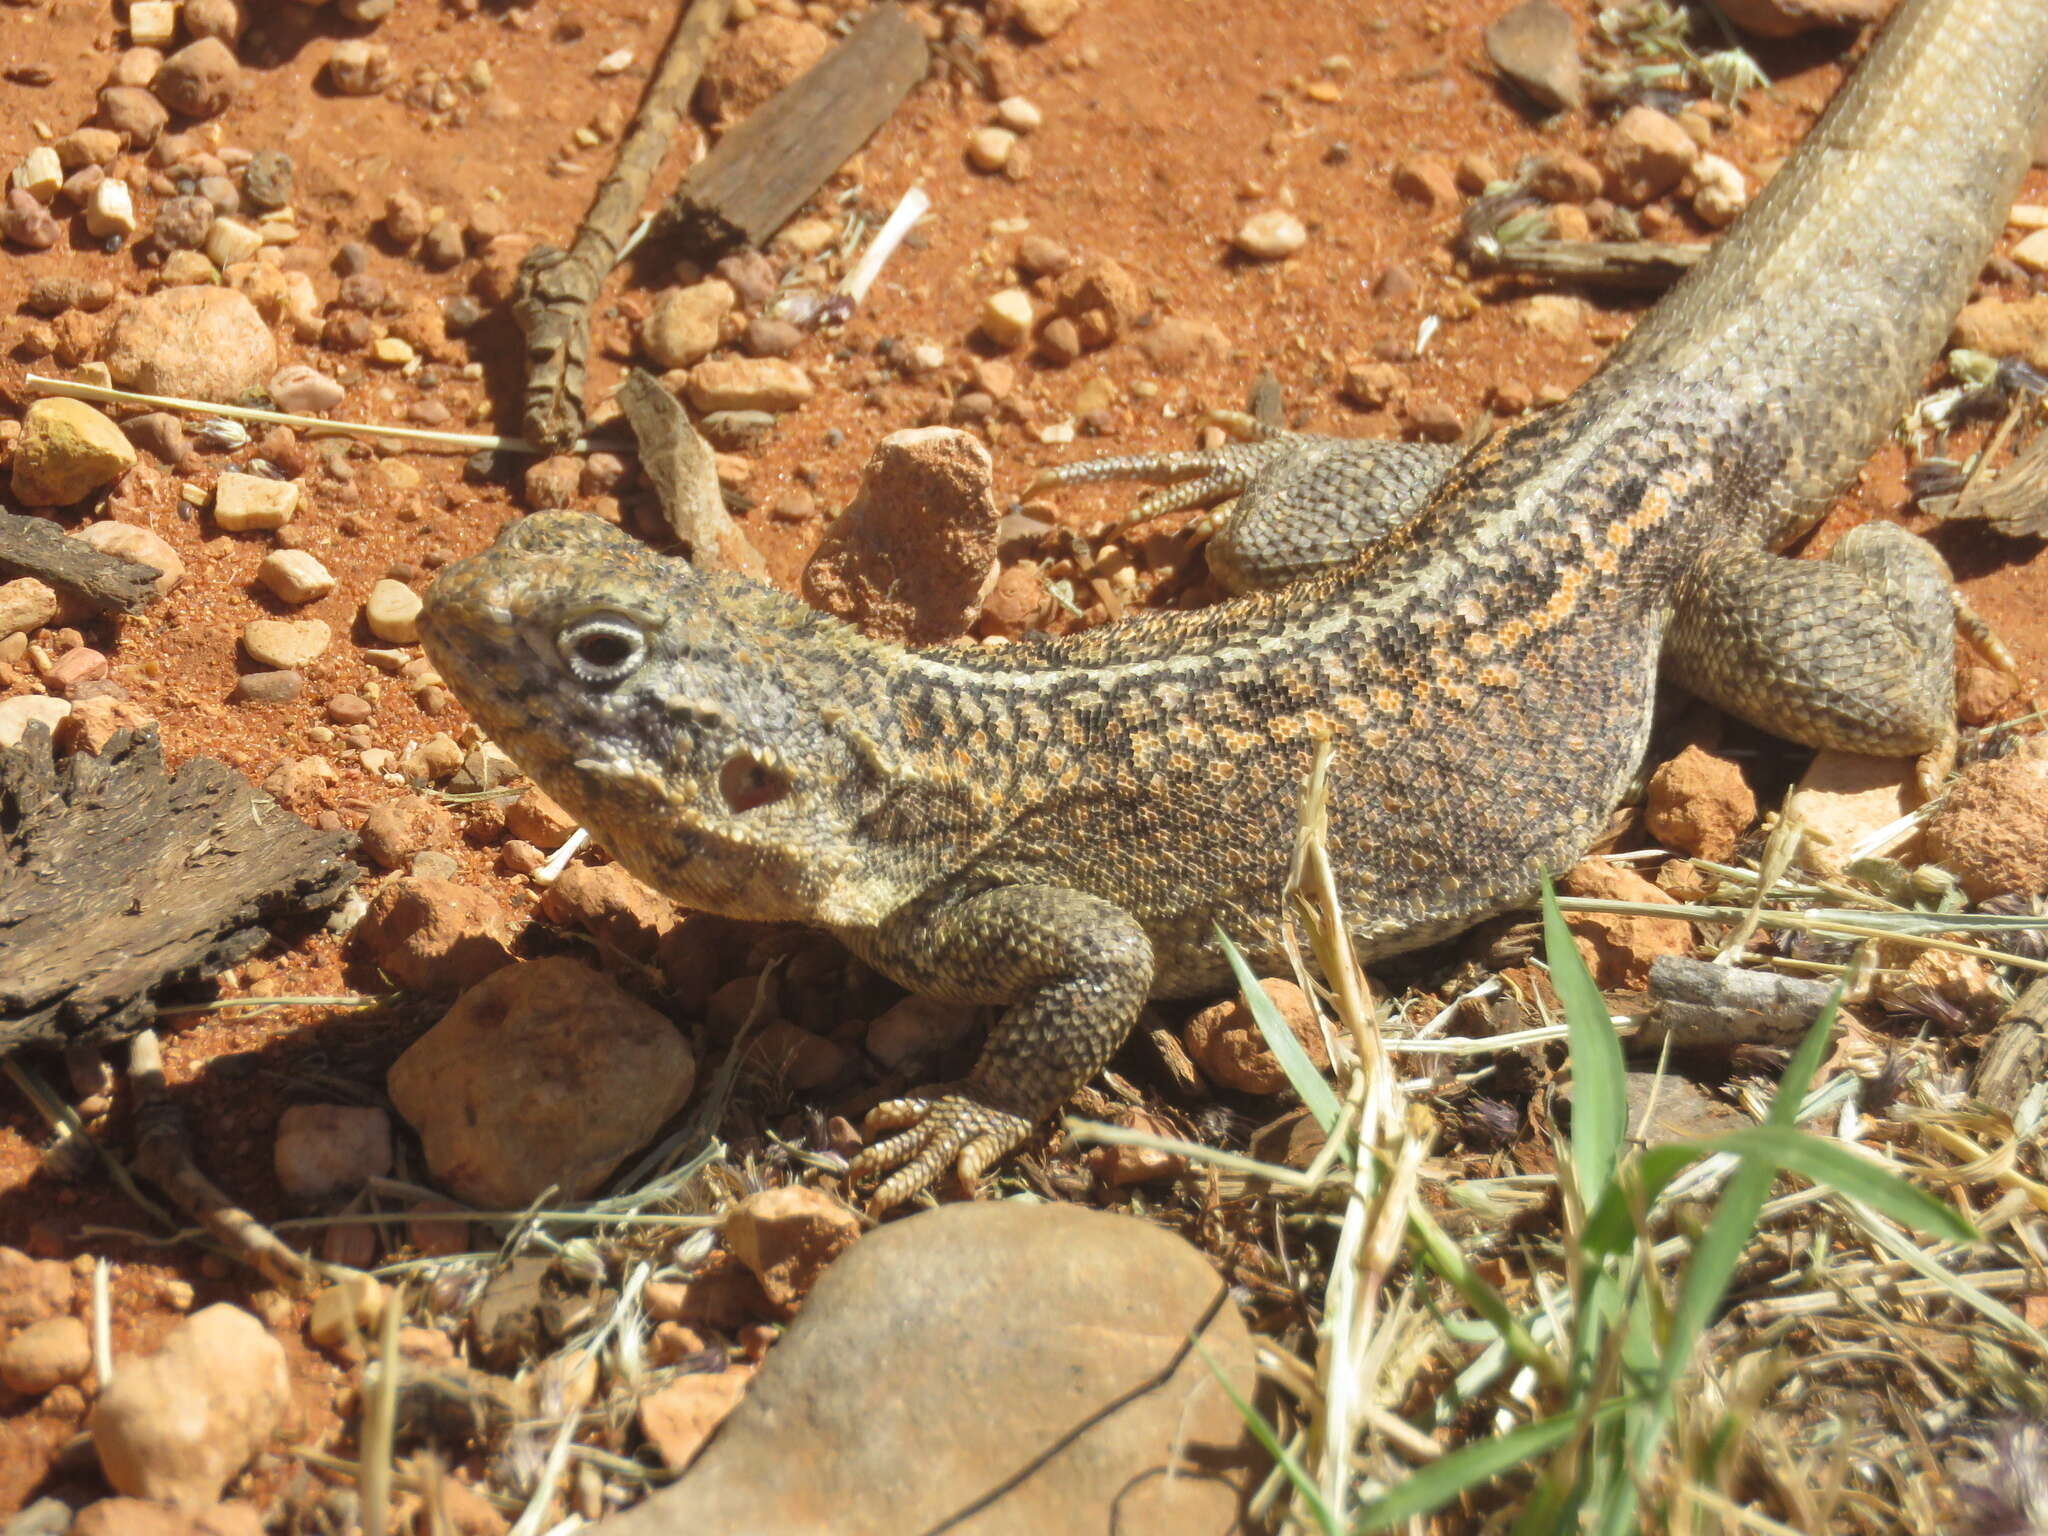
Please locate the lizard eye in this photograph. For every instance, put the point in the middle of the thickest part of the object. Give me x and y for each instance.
(603, 648)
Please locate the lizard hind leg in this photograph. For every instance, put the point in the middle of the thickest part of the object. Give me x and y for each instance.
(1855, 652)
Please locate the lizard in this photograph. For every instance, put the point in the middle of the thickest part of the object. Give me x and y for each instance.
(1063, 827)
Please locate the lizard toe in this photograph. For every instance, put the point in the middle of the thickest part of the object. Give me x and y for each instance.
(949, 1129)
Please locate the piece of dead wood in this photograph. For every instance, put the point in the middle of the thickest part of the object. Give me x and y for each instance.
(685, 477)
(1644, 265)
(1701, 1006)
(556, 288)
(118, 879)
(35, 546)
(771, 164)
(2015, 1058)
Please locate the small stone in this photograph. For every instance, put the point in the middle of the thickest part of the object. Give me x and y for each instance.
(1006, 318)
(756, 59)
(1227, 1043)
(613, 907)
(2006, 328)
(928, 488)
(1535, 47)
(1119, 1167)
(769, 336)
(1016, 604)
(1042, 19)
(1434, 418)
(1787, 18)
(1991, 831)
(32, 1290)
(748, 384)
(1700, 804)
(80, 665)
(346, 1314)
(267, 180)
(536, 818)
(1270, 235)
(304, 391)
(295, 576)
(1619, 950)
(26, 605)
(1043, 257)
(917, 1031)
(268, 687)
(1983, 693)
(329, 1151)
(213, 18)
(1563, 176)
(1647, 153)
(396, 832)
(796, 1060)
(788, 1236)
(27, 223)
(131, 541)
(1427, 180)
(2032, 252)
(684, 323)
(66, 451)
(435, 935)
(500, 1089)
(990, 148)
(392, 610)
(393, 351)
(25, 709)
(46, 1355)
(285, 644)
(111, 210)
(40, 174)
(182, 223)
(679, 1418)
(359, 68)
(196, 342)
(1719, 192)
(176, 1425)
(1844, 797)
(551, 482)
(245, 503)
(443, 246)
(87, 146)
(200, 79)
(437, 758)
(350, 709)
(134, 113)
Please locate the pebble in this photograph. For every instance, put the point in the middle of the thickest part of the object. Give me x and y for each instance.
(917, 1031)
(25, 709)
(1619, 950)
(1427, 180)
(1270, 235)
(499, 1089)
(756, 59)
(929, 489)
(1787, 18)
(182, 223)
(359, 68)
(213, 18)
(87, 146)
(40, 174)
(398, 829)
(66, 451)
(443, 246)
(1043, 257)
(1226, 1041)
(243, 503)
(1647, 154)
(199, 80)
(131, 541)
(2032, 252)
(2006, 328)
(110, 210)
(275, 687)
(435, 935)
(131, 111)
(393, 351)
(1535, 46)
(27, 223)
(536, 818)
(1043, 19)
(1700, 804)
(269, 178)
(1019, 114)
(229, 241)
(1991, 831)
(677, 1420)
(1433, 417)
(788, 1236)
(1006, 318)
(45, 1355)
(295, 576)
(751, 275)
(301, 390)
(285, 645)
(176, 1425)
(80, 665)
(1565, 176)
(1719, 191)
(612, 906)
(989, 149)
(796, 1060)
(202, 343)
(26, 604)
(747, 384)
(1121, 1167)
(392, 610)
(684, 324)
(32, 1289)
(771, 336)
(329, 1151)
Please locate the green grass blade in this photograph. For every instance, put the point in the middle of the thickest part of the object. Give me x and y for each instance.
(1849, 1173)
(1479, 1294)
(1309, 1085)
(1268, 1438)
(1599, 1091)
(1437, 1484)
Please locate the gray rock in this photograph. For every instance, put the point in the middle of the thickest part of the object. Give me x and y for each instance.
(940, 1356)
(1534, 46)
(267, 182)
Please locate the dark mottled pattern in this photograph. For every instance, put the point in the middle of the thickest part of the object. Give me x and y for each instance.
(1059, 826)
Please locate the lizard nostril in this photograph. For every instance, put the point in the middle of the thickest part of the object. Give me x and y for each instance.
(747, 782)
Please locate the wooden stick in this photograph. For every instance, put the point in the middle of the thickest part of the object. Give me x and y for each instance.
(33, 546)
(1644, 264)
(770, 165)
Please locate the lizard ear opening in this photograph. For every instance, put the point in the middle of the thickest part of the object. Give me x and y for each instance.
(747, 783)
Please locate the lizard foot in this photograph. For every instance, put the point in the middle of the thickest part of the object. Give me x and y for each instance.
(950, 1126)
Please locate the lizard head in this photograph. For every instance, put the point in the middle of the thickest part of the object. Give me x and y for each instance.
(692, 721)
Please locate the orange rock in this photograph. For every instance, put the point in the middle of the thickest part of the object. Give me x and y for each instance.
(1619, 949)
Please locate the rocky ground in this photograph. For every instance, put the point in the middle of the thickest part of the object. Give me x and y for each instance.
(1139, 206)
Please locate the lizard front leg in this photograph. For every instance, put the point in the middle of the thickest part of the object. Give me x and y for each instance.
(1074, 970)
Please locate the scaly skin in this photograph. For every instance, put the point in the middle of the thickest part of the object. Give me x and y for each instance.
(1062, 827)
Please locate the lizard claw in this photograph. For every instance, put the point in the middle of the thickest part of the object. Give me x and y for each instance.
(951, 1126)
